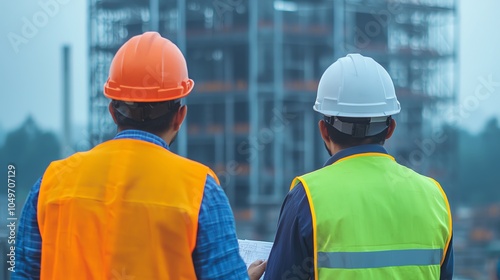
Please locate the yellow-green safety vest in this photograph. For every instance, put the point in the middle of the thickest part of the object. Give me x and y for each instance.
(376, 219)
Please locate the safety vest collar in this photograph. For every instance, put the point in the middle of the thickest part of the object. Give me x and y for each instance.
(352, 151)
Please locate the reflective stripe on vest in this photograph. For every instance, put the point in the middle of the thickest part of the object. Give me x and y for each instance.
(375, 219)
(127, 208)
(379, 258)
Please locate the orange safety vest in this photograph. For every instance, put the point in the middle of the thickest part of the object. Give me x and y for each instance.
(127, 209)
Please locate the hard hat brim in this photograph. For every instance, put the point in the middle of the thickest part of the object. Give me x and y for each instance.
(147, 94)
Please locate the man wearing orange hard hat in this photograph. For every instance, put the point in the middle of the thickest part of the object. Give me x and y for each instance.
(129, 208)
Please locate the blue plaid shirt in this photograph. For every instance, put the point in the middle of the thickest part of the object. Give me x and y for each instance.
(216, 255)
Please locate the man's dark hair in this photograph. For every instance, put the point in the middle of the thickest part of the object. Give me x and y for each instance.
(153, 117)
(346, 140)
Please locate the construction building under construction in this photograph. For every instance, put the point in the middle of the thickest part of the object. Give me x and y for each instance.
(256, 65)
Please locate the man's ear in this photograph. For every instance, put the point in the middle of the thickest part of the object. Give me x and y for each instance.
(179, 118)
(391, 128)
(112, 112)
(324, 131)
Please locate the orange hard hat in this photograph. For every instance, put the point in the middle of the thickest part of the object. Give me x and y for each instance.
(148, 68)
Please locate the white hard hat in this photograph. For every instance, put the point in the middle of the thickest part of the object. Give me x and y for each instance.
(358, 87)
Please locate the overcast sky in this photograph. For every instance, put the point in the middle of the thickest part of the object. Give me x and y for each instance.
(30, 70)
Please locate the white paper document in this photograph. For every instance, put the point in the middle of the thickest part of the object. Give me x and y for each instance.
(252, 250)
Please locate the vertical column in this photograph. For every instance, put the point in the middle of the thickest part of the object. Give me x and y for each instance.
(278, 152)
(230, 142)
(308, 63)
(454, 154)
(181, 43)
(455, 51)
(97, 116)
(229, 127)
(309, 145)
(154, 19)
(339, 44)
(309, 124)
(91, 62)
(253, 100)
(219, 148)
(66, 104)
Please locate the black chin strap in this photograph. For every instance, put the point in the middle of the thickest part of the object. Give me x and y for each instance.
(145, 111)
(359, 127)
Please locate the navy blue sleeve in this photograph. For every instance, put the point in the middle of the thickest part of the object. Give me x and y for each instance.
(447, 266)
(498, 269)
(292, 253)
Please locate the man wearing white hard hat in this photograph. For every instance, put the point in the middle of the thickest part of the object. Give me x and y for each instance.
(363, 215)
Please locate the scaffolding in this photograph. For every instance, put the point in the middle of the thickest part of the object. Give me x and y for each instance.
(257, 63)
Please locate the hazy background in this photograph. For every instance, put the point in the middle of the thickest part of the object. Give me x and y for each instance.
(32, 83)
